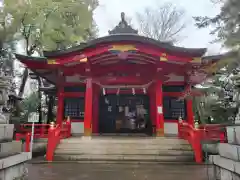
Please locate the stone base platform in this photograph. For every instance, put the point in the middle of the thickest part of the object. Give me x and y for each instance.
(13, 167)
(12, 159)
(227, 163)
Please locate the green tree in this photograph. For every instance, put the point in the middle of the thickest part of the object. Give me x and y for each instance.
(216, 103)
(226, 23)
(28, 105)
(51, 24)
(8, 27)
(226, 26)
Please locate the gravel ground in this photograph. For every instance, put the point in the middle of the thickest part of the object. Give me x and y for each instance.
(87, 171)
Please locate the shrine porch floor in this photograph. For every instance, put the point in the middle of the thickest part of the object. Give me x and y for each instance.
(77, 171)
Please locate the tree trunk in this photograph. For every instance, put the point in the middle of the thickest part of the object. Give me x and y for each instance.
(23, 83)
(40, 100)
(50, 116)
(21, 91)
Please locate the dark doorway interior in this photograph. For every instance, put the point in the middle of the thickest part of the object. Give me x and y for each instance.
(124, 114)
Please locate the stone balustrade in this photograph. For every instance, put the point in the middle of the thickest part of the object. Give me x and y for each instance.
(12, 159)
(13, 167)
(227, 163)
(6, 132)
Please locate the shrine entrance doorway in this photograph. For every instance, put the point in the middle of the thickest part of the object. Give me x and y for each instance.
(124, 114)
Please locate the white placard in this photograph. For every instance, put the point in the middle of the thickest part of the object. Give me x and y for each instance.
(32, 136)
(159, 110)
(33, 117)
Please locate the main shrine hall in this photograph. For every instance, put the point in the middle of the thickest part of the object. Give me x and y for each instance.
(124, 83)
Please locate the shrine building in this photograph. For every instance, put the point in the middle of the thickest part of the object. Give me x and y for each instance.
(104, 84)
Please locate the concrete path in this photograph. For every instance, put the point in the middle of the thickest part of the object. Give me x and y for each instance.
(76, 171)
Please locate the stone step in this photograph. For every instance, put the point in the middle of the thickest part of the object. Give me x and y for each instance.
(225, 163)
(140, 158)
(233, 134)
(6, 132)
(13, 167)
(123, 152)
(126, 147)
(41, 140)
(229, 151)
(125, 140)
(11, 147)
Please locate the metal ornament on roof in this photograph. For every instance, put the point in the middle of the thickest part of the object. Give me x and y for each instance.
(123, 27)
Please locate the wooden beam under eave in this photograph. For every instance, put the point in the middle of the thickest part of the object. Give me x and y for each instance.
(165, 56)
(129, 80)
(130, 69)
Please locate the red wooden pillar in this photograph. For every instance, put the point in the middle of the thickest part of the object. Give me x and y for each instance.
(151, 92)
(159, 109)
(60, 105)
(95, 124)
(88, 115)
(190, 113)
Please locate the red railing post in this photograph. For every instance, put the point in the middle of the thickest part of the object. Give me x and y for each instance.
(27, 142)
(42, 131)
(197, 147)
(18, 136)
(50, 144)
(195, 136)
(180, 121)
(222, 137)
(68, 127)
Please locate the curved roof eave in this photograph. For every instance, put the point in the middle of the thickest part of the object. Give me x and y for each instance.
(195, 52)
(23, 58)
(229, 54)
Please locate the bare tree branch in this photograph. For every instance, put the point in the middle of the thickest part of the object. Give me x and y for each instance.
(163, 23)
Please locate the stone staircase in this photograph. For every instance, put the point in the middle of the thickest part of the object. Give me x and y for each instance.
(141, 149)
(12, 159)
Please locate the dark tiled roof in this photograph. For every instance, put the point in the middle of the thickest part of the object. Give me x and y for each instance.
(195, 52)
(32, 58)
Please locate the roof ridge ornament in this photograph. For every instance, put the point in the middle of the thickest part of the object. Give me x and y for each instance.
(123, 27)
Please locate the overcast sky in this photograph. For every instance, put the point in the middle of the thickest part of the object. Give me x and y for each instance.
(108, 15)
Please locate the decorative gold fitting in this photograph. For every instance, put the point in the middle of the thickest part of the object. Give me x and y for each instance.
(180, 120)
(196, 125)
(52, 124)
(68, 119)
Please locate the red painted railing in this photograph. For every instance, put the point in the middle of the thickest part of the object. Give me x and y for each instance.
(186, 131)
(40, 130)
(55, 134)
(54, 137)
(65, 129)
(196, 136)
(25, 131)
(213, 132)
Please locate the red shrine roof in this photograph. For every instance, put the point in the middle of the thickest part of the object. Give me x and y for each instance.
(124, 57)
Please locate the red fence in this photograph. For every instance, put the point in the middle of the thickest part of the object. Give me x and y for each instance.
(40, 131)
(50, 131)
(55, 134)
(196, 136)
(54, 137)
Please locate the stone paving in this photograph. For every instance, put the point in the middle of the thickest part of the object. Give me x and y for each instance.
(77, 171)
